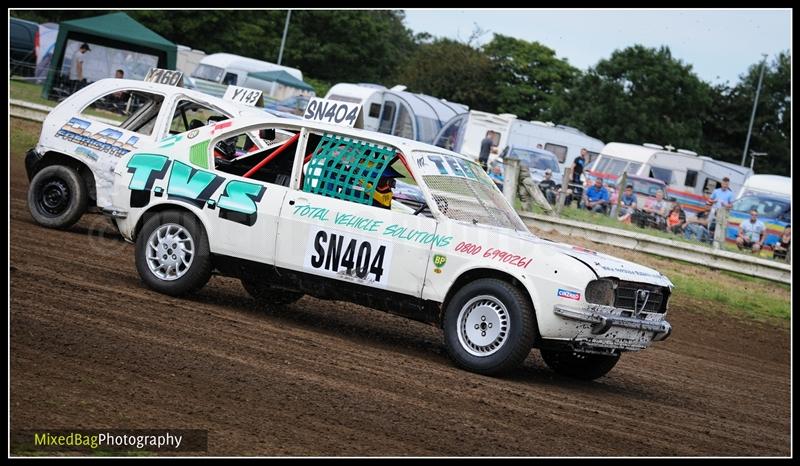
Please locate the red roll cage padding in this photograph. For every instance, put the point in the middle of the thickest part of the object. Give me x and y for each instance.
(271, 156)
(405, 164)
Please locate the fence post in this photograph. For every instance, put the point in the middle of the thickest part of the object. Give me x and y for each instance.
(722, 225)
(620, 189)
(510, 178)
(562, 195)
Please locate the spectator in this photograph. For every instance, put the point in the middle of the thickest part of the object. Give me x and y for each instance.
(627, 204)
(578, 166)
(119, 74)
(548, 187)
(721, 197)
(496, 174)
(781, 248)
(486, 147)
(698, 228)
(76, 76)
(596, 197)
(656, 214)
(751, 233)
(676, 220)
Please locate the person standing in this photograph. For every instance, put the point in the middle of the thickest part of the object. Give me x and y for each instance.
(76, 70)
(486, 148)
(578, 165)
(721, 197)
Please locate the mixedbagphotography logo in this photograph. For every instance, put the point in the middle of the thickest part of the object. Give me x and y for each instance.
(25, 442)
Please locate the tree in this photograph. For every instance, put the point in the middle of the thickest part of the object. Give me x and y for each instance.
(451, 70)
(640, 95)
(725, 130)
(529, 79)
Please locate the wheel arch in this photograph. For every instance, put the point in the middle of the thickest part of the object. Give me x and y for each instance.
(482, 272)
(166, 206)
(57, 158)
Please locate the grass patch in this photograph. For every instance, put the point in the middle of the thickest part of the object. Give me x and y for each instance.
(24, 135)
(756, 304)
(29, 92)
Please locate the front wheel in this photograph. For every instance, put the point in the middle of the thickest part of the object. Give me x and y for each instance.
(582, 366)
(489, 327)
(172, 253)
(57, 197)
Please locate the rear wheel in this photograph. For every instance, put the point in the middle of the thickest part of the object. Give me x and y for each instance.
(172, 253)
(489, 326)
(266, 296)
(580, 365)
(57, 197)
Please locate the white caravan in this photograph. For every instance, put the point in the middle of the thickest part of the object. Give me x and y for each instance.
(218, 70)
(464, 134)
(780, 186)
(395, 111)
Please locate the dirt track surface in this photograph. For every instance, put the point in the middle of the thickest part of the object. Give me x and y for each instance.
(91, 347)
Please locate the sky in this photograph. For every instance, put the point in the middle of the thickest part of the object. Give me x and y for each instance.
(719, 44)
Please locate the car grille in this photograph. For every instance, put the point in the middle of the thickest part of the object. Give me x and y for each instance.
(625, 296)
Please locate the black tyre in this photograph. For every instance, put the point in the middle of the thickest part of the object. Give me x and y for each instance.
(489, 327)
(579, 365)
(57, 197)
(172, 254)
(266, 296)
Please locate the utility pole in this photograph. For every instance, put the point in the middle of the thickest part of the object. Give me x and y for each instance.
(753, 155)
(755, 104)
(283, 41)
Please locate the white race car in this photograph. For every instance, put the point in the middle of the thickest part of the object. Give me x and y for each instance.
(71, 167)
(313, 213)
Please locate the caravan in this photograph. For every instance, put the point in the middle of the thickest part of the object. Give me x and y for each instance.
(464, 134)
(395, 111)
(218, 70)
(690, 178)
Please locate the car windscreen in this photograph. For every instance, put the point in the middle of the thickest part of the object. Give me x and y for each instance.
(536, 160)
(765, 206)
(208, 72)
(648, 188)
(463, 191)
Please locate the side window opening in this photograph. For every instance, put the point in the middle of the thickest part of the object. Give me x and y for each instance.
(132, 110)
(387, 118)
(361, 172)
(691, 178)
(240, 155)
(190, 115)
(230, 78)
(560, 151)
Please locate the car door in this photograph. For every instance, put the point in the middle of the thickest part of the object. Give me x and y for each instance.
(330, 227)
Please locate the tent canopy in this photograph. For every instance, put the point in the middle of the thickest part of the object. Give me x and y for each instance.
(281, 77)
(115, 30)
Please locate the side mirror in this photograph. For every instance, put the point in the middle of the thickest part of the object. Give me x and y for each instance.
(267, 134)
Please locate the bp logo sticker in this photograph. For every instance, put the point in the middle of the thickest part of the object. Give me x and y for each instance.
(438, 262)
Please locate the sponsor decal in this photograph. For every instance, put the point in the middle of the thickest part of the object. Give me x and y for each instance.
(106, 140)
(332, 111)
(495, 254)
(438, 262)
(348, 256)
(191, 134)
(567, 294)
(80, 150)
(437, 164)
(238, 201)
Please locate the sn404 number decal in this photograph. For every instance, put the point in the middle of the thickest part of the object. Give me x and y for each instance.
(349, 257)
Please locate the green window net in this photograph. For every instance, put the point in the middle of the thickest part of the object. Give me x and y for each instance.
(345, 168)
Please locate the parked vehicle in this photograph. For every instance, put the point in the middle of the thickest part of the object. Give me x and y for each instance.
(71, 167)
(218, 70)
(464, 134)
(690, 178)
(22, 47)
(308, 214)
(770, 196)
(395, 111)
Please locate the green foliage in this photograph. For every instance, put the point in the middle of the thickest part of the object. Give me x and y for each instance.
(528, 77)
(640, 95)
(451, 70)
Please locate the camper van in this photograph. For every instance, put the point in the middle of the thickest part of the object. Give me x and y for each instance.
(464, 134)
(690, 177)
(770, 196)
(218, 70)
(395, 111)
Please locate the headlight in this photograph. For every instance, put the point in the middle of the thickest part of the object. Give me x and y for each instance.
(601, 292)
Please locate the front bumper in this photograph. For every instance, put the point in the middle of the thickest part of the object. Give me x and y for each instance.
(604, 318)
